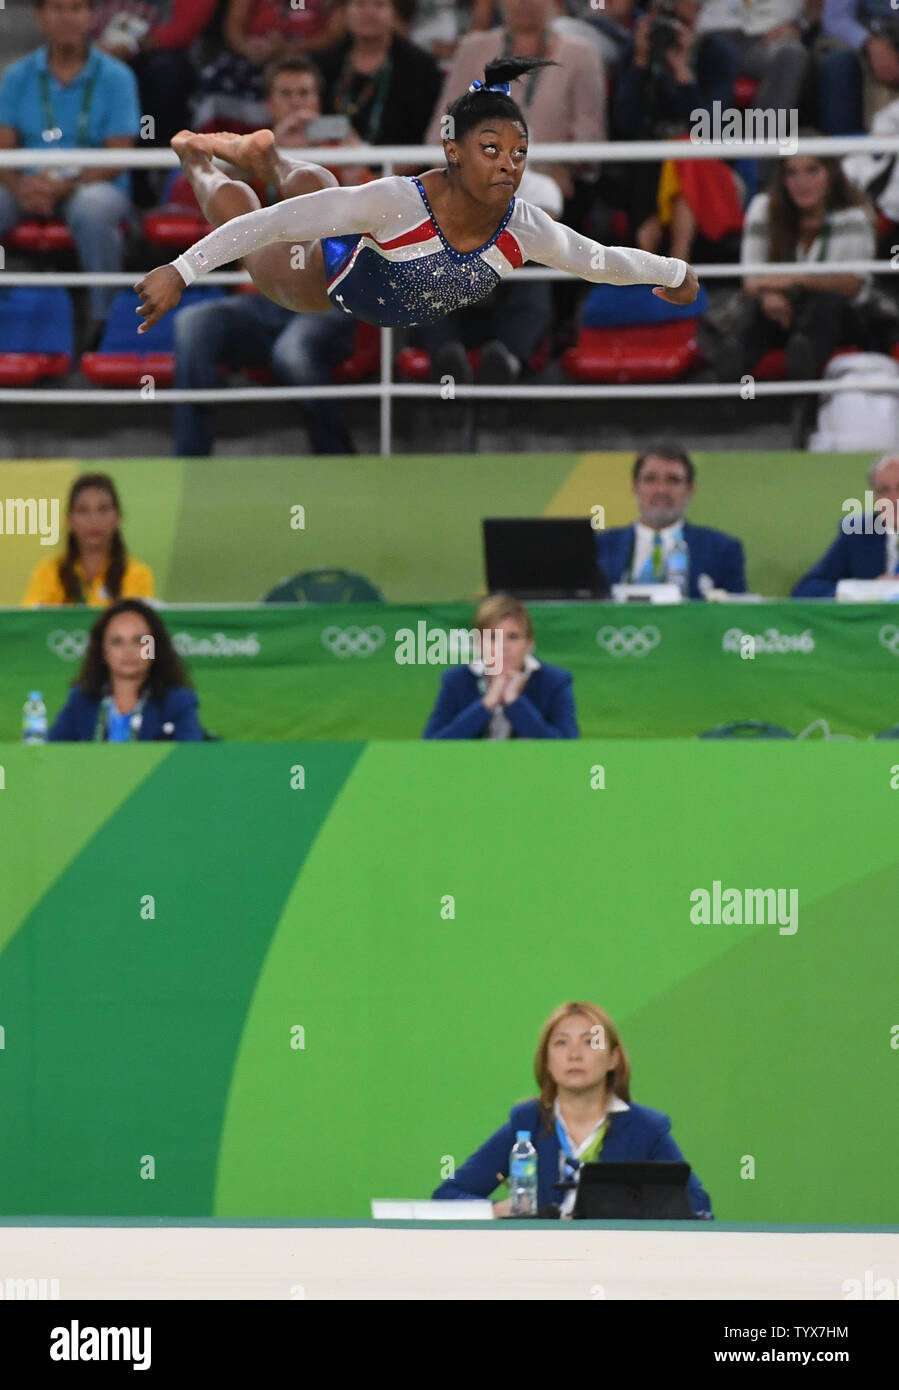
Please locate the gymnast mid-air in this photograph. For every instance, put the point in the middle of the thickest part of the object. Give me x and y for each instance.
(398, 251)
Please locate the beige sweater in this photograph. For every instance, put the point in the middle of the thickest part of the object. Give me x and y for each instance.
(569, 101)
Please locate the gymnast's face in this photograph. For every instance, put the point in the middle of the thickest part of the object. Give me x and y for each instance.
(491, 160)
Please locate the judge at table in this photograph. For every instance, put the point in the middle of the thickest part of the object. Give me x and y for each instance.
(860, 551)
(584, 1114)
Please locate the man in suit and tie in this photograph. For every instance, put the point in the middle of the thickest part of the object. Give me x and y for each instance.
(664, 482)
(861, 552)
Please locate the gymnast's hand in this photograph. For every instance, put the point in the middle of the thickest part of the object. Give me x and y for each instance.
(685, 293)
(159, 292)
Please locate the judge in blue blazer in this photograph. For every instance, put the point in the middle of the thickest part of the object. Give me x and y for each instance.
(132, 686)
(861, 553)
(508, 694)
(663, 483)
(584, 1114)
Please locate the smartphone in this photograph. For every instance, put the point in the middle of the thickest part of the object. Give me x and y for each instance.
(328, 130)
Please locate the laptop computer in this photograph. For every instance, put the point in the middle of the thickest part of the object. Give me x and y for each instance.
(633, 1192)
(546, 557)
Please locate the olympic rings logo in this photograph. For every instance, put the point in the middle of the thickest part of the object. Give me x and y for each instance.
(889, 637)
(628, 641)
(68, 646)
(352, 641)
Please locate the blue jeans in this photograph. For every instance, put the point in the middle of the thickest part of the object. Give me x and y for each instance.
(840, 93)
(94, 214)
(248, 330)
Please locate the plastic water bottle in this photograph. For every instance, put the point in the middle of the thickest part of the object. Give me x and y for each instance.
(34, 718)
(523, 1176)
(678, 568)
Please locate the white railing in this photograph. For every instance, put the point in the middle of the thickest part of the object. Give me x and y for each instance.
(386, 390)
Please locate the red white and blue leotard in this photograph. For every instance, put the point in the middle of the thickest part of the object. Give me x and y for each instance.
(388, 263)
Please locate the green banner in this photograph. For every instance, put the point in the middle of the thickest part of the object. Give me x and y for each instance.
(279, 981)
(641, 671)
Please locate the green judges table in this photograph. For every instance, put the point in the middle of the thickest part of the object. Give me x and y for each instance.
(643, 671)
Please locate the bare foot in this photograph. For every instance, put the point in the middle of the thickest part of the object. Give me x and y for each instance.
(253, 154)
(193, 151)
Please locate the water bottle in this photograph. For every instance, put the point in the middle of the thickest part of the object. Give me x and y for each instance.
(678, 567)
(34, 718)
(523, 1176)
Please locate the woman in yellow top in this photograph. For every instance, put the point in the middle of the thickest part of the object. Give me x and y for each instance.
(96, 569)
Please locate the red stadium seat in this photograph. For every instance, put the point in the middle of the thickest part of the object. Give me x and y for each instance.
(365, 357)
(745, 89)
(175, 227)
(772, 365)
(25, 368)
(643, 352)
(39, 238)
(414, 364)
(127, 368)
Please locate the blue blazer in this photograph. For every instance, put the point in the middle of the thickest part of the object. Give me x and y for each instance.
(544, 709)
(633, 1135)
(77, 719)
(852, 556)
(711, 552)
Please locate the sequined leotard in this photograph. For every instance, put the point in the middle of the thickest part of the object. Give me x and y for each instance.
(388, 263)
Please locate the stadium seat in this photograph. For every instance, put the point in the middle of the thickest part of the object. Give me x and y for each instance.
(365, 357)
(414, 364)
(178, 221)
(37, 333)
(772, 365)
(124, 358)
(325, 586)
(745, 89)
(640, 353)
(39, 238)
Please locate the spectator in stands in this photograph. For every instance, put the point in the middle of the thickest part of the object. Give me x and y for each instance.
(382, 82)
(436, 25)
(65, 95)
(508, 694)
(231, 90)
(663, 484)
(154, 36)
(763, 40)
(657, 97)
(96, 568)
(610, 26)
(508, 326)
(855, 554)
(584, 1114)
(859, 69)
(560, 103)
(810, 213)
(132, 687)
(248, 330)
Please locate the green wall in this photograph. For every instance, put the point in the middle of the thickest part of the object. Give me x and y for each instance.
(218, 529)
(128, 1036)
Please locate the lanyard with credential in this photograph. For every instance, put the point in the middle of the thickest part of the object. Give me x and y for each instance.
(101, 728)
(570, 1164)
(51, 130)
